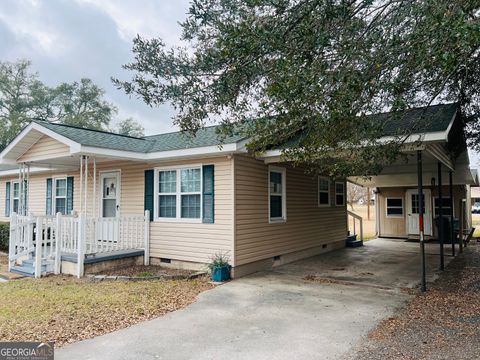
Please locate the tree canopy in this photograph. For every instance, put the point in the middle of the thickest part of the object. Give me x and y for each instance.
(311, 70)
(130, 127)
(23, 97)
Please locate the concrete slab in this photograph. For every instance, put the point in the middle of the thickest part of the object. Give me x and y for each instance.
(275, 314)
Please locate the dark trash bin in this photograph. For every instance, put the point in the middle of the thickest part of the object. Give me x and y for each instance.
(447, 229)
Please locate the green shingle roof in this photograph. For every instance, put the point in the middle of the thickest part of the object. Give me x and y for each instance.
(432, 119)
(423, 120)
(162, 142)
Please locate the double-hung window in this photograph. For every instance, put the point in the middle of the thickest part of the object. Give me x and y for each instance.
(277, 194)
(60, 196)
(15, 197)
(323, 191)
(179, 193)
(394, 207)
(339, 193)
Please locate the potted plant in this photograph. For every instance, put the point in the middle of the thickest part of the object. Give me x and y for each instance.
(219, 267)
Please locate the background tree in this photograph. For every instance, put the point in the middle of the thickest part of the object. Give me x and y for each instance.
(309, 71)
(355, 193)
(130, 127)
(24, 97)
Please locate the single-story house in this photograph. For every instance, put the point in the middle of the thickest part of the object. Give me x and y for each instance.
(88, 196)
(475, 195)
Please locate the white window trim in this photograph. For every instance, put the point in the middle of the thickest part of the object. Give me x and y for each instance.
(329, 190)
(443, 197)
(54, 193)
(283, 171)
(178, 193)
(343, 193)
(12, 198)
(396, 207)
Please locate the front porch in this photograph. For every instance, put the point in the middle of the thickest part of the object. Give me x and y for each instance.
(40, 245)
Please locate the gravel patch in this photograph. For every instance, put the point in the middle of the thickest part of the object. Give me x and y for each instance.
(443, 323)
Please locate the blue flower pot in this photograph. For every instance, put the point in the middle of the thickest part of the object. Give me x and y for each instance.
(221, 274)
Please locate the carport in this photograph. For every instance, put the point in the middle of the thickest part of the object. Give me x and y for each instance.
(430, 180)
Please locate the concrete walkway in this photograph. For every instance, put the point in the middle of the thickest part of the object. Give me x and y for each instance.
(277, 314)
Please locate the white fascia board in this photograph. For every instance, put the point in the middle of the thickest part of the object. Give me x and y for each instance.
(160, 155)
(74, 146)
(33, 170)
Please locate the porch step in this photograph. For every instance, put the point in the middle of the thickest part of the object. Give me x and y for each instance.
(351, 238)
(27, 267)
(23, 270)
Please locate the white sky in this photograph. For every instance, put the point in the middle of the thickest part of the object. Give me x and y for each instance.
(70, 39)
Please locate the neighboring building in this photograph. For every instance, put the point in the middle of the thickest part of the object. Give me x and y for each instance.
(200, 198)
(475, 194)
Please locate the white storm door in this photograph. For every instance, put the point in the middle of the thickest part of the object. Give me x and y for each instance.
(413, 212)
(110, 206)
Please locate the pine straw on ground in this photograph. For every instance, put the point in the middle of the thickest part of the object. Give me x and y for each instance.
(443, 323)
(147, 270)
(65, 309)
(3, 263)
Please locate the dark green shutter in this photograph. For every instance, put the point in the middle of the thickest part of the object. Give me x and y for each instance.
(149, 192)
(208, 194)
(70, 182)
(7, 198)
(48, 199)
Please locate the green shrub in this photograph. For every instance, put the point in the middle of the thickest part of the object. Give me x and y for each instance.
(4, 234)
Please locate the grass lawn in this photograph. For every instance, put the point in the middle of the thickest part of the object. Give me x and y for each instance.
(368, 225)
(65, 309)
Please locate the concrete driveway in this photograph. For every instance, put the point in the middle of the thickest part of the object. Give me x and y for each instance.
(277, 314)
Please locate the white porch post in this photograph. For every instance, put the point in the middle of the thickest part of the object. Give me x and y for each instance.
(81, 245)
(38, 248)
(86, 185)
(146, 251)
(94, 200)
(58, 243)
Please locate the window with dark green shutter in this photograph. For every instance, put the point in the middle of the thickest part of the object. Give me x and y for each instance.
(7, 198)
(149, 192)
(48, 197)
(209, 194)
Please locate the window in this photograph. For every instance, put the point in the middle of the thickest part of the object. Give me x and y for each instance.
(394, 207)
(179, 193)
(276, 194)
(339, 194)
(15, 197)
(446, 206)
(60, 196)
(416, 204)
(323, 191)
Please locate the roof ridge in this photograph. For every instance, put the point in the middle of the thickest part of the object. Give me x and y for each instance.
(180, 131)
(88, 129)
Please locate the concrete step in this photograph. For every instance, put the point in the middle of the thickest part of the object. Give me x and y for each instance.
(354, 244)
(351, 238)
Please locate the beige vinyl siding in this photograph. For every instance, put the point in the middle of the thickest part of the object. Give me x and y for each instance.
(36, 195)
(307, 224)
(195, 242)
(45, 148)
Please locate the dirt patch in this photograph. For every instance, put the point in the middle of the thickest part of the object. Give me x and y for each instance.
(147, 271)
(65, 309)
(443, 323)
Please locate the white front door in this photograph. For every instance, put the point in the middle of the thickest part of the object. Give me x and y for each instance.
(108, 229)
(413, 206)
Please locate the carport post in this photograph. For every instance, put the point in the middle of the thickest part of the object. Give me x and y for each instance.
(440, 216)
(452, 228)
(420, 217)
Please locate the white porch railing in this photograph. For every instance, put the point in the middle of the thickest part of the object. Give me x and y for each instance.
(355, 218)
(47, 238)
